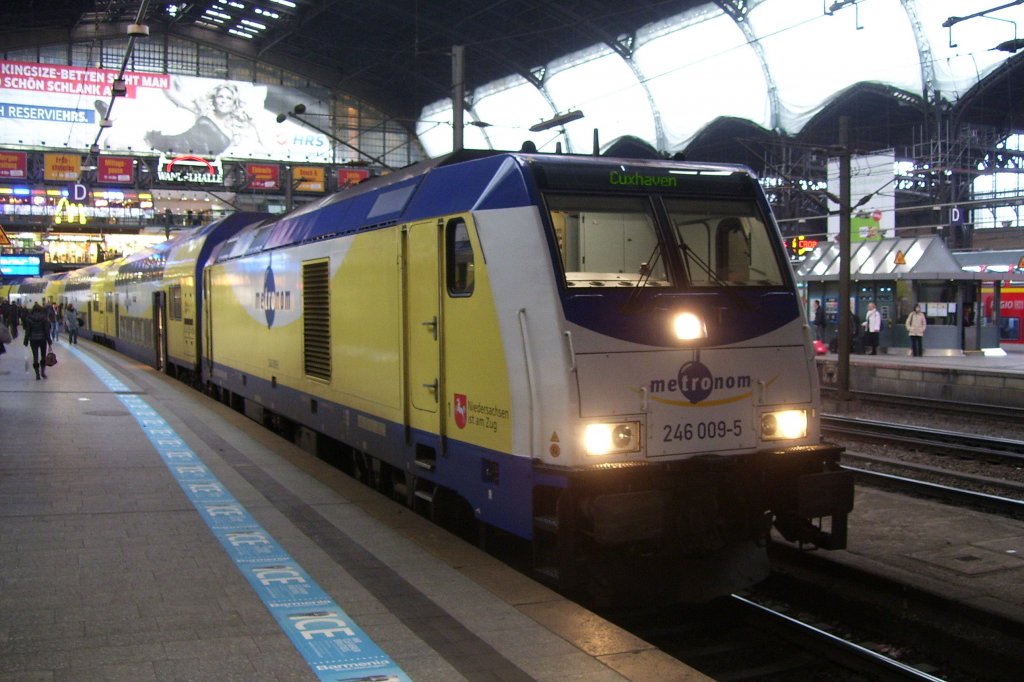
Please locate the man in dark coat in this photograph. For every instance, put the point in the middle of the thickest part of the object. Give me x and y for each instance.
(37, 334)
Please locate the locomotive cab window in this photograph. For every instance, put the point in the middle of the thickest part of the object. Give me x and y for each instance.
(607, 241)
(725, 243)
(460, 259)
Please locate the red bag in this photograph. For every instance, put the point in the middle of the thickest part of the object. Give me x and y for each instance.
(820, 348)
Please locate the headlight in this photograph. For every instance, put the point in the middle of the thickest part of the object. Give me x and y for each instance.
(606, 439)
(688, 326)
(784, 425)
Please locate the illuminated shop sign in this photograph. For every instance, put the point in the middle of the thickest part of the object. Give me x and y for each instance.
(69, 212)
(190, 169)
(801, 245)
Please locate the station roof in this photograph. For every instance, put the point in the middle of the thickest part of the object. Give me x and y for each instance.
(915, 258)
(689, 75)
(1006, 262)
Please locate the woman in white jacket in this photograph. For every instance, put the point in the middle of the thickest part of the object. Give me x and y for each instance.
(916, 324)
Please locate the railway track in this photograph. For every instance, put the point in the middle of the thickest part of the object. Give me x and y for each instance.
(993, 449)
(940, 464)
(927, 404)
(814, 619)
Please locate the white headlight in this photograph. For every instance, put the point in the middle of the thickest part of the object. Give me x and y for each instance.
(604, 439)
(784, 425)
(688, 326)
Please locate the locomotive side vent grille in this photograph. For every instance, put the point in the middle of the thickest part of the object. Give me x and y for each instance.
(316, 320)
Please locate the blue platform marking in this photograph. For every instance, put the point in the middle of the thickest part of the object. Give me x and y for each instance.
(333, 645)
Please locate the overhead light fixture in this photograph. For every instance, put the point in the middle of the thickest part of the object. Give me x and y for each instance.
(556, 121)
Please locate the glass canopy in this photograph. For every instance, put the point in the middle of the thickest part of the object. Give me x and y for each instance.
(777, 65)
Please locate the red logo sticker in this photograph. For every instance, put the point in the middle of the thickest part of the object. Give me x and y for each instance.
(461, 410)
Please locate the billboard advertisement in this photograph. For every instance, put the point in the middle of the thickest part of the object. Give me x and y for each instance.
(62, 106)
(872, 195)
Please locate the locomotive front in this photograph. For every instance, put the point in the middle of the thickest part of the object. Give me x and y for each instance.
(689, 425)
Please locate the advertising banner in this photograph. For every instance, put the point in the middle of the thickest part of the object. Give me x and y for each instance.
(58, 106)
(309, 179)
(263, 176)
(871, 194)
(13, 165)
(114, 169)
(65, 167)
(348, 177)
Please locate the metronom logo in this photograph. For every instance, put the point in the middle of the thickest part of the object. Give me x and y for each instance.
(696, 382)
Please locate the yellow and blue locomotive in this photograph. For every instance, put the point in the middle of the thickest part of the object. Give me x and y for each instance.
(603, 357)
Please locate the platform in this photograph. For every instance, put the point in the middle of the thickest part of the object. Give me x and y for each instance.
(971, 378)
(150, 533)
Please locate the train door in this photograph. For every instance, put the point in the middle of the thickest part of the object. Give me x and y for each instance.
(160, 329)
(206, 360)
(422, 327)
(113, 317)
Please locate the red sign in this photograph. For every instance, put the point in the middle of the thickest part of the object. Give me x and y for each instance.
(348, 177)
(801, 245)
(14, 165)
(114, 169)
(461, 410)
(263, 175)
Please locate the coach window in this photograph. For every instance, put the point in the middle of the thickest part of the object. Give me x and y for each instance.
(459, 256)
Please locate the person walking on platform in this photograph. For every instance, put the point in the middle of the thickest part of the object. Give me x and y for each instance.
(9, 311)
(37, 333)
(916, 324)
(53, 316)
(873, 325)
(71, 323)
(819, 321)
(5, 335)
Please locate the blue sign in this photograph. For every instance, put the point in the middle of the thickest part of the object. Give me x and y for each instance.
(20, 266)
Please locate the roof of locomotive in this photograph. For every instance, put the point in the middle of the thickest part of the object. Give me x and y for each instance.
(464, 181)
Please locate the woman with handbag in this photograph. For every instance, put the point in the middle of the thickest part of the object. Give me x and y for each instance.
(37, 333)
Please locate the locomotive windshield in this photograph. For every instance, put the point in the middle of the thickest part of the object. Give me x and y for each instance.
(616, 241)
(724, 243)
(607, 241)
